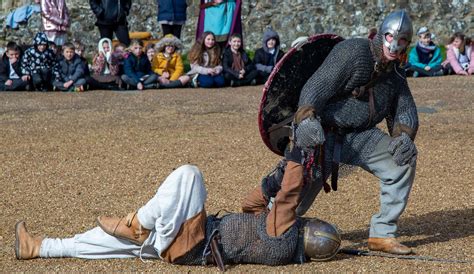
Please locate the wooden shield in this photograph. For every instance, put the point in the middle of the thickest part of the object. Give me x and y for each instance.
(281, 92)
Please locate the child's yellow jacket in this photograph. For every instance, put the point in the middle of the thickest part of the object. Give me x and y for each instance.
(174, 65)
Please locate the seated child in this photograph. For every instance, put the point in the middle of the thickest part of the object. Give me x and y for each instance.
(120, 53)
(138, 73)
(150, 52)
(239, 70)
(460, 55)
(168, 63)
(11, 78)
(37, 63)
(205, 59)
(105, 65)
(425, 58)
(268, 55)
(69, 71)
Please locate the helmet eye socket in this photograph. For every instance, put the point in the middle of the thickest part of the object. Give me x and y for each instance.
(402, 42)
(389, 37)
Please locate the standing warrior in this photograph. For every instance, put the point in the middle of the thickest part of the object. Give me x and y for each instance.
(173, 226)
(359, 84)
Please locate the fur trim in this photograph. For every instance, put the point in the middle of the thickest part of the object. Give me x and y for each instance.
(169, 39)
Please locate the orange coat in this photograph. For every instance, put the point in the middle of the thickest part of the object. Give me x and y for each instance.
(173, 65)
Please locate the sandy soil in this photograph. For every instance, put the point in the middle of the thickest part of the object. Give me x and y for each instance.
(66, 158)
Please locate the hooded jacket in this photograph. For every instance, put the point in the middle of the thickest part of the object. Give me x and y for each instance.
(107, 64)
(264, 60)
(55, 15)
(34, 60)
(110, 12)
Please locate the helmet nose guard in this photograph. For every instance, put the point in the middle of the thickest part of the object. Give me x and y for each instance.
(399, 25)
(321, 240)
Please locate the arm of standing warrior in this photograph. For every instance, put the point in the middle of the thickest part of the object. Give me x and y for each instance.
(283, 213)
(404, 116)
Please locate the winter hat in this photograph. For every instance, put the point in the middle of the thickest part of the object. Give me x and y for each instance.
(169, 40)
(40, 39)
(423, 30)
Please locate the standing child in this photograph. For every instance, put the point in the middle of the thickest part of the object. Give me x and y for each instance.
(268, 55)
(425, 58)
(137, 68)
(168, 63)
(460, 55)
(206, 68)
(37, 63)
(105, 65)
(69, 71)
(55, 17)
(11, 78)
(239, 70)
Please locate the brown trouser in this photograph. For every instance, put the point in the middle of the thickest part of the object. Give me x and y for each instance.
(282, 215)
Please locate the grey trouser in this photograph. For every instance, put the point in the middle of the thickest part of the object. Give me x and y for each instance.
(17, 85)
(60, 84)
(395, 185)
(152, 79)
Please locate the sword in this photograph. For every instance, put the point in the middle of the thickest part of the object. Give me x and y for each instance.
(358, 252)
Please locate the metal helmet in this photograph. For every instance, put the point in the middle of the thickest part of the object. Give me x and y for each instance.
(321, 239)
(398, 24)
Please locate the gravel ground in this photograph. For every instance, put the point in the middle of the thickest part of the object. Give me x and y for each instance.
(66, 158)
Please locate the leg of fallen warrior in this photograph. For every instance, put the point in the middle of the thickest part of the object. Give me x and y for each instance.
(93, 244)
(255, 202)
(179, 198)
(395, 185)
(283, 213)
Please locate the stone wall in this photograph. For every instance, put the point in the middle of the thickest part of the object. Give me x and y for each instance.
(348, 18)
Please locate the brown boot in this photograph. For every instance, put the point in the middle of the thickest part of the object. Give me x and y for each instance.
(389, 245)
(26, 246)
(127, 228)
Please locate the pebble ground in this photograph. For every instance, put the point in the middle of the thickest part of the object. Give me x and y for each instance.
(66, 158)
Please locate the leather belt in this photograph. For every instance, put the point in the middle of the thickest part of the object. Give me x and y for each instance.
(215, 256)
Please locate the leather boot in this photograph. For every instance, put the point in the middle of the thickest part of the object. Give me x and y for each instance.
(26, 246)
(389, 245)
(126, 228)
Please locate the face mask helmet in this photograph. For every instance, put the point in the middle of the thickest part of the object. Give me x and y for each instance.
(321, 240)
(399, 25)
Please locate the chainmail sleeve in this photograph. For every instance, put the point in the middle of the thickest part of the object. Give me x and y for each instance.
(404, 116)
(348, 65)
